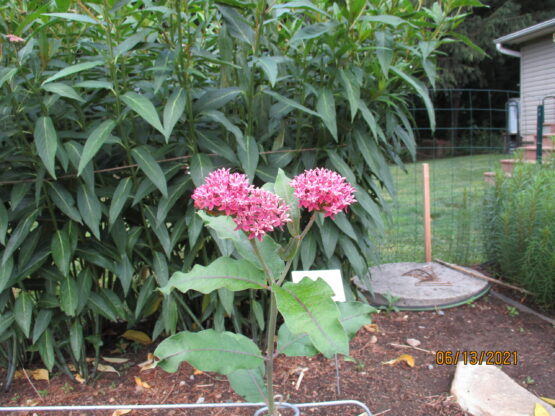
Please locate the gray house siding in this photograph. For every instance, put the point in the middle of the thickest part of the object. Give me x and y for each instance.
(537, 79)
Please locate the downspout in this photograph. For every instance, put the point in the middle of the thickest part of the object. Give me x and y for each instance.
(506, 51)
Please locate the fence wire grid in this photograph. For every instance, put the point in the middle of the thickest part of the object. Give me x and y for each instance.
(470, 139)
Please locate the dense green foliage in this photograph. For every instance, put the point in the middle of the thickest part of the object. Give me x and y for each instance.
(112, 111)
(519, 235)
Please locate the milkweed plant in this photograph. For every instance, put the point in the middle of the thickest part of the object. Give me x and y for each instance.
(313, 323)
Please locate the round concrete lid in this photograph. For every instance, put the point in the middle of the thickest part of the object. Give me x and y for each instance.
(420, 285)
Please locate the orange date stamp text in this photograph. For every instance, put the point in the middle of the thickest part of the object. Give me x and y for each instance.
(476, 357)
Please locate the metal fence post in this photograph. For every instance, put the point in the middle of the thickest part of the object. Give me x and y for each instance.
(539, 133)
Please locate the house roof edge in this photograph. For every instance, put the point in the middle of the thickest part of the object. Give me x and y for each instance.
(528, 33)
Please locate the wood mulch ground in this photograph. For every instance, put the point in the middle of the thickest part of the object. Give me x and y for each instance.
(485, 325)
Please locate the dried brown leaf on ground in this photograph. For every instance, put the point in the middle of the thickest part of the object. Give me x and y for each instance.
(409, 359)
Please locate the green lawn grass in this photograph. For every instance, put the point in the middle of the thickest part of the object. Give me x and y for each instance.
(457, 190)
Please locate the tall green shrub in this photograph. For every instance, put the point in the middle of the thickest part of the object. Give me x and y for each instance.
(519, 232)
(112, 111)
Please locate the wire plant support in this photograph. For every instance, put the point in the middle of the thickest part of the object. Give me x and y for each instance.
(262, 408)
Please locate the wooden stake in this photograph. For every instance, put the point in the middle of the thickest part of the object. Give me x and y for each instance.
(481, 276)
(427, 215)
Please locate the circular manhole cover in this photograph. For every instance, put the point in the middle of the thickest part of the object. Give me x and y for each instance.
(420, 286)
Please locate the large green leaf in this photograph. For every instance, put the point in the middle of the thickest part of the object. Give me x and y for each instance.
(73, 69)
(160, 229)
(6, 273)
(219, 117)
(312, 31)
(224, 272)
(150, 167)
(248, 155)
(124, 271)
(18, 236)
(289, 102)
(237, 25)
(329, 234)
(214, 144)
(63, 199)
(422, 91)
(46, 349)
(90, 209)
(269, 65)
(44, 317)
(214, 99)
(94, 142)
(222, 352)
(175, 192)
(307, 307)
(69, 296)
(76, 339)
(249, 384)
(23, 312)
(3, 224)
(225, 228)
(352, 90)
(6, 321)
(61, 251)
(143, 107)
(287, 193)
(46, 141)
(74, 17)
(326, 108)
(201, 166)
(294, 345)
(354, 315)
(173, 111)
(119, 198)
(63, 90)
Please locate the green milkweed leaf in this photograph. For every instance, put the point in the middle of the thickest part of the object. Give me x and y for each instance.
(19, 234)
(63, 90)
(224, 272)
(238, 26)
(46, 349)
(214, 99)
(326, 109)
(74, 17)
(69, 296)
(144, 108)
(248, 155)
(150, 168)
(173, 111)
(41, 323)
(61, 251)
(94, 142)
(119, 198)
(307, 307)
(201, 166)
(89, 207)
(64, 201)
(249, 384)
(46, 141)
(208, 350)
(23, 312)
(73, 69)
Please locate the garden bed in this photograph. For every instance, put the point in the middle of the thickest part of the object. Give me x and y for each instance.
(486, 325)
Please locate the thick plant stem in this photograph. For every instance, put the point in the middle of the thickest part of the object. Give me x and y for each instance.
(272, 319)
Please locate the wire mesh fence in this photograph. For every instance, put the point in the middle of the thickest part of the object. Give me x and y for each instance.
(470, 139)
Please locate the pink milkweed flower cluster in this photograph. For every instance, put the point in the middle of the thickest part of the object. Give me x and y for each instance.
(14, 39)
(254, 210)
(323, 190)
